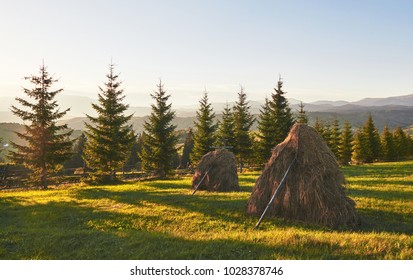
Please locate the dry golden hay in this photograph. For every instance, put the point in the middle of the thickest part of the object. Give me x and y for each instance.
(313, 190)
(222, 172)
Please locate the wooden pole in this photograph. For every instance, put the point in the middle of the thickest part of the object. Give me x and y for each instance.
(280, 185)
(196, 188)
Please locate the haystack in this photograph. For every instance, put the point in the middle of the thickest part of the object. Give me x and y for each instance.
(221, 175)
(313, 190)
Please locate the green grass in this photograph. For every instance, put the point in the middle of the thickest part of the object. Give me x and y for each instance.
(162, 220)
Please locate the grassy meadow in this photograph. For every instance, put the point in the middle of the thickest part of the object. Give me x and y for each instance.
(162, 220)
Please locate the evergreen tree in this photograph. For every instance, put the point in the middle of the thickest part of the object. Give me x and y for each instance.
(109, 136)
(266, 134)
(204, 133)
(133, 158)
(401, 143)
(243, 121)
(335, 137)
(225, 132)
(302, 114)
(359, 147)
(76, 161)
(188, 146)
(159, 151)
(346, 144)
(387, 144)
(367, 146)
(319, 126)
(327, 133)
(372, 140)
(47, 143)
(282, 117)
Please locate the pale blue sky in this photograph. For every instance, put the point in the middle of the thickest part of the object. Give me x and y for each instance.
(323, 49)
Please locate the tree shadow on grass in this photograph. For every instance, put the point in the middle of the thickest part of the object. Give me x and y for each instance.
(217, 207)
(378, 194)
(63, 230)
(224, 208)
(379, 170)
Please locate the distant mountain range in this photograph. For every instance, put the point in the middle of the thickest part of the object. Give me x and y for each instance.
(80, 105)
(391, 111)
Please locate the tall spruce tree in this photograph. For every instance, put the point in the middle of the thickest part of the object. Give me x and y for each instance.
(76, 160)
(359, 151)
(282, 117)
(225, 131)
(387, 145)
(243, 120)
(133, 157)
(335, 137)
(401, 143)
(185, 161)
(204, 133)
(346, 144)
(266, 133)
(367, 147)
(319, 126)
(159, 151)
(109, 136)
(371, 140)
(302, 114)
(47, 143)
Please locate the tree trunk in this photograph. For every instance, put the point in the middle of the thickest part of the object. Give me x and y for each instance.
(112, 175)
(44, 177)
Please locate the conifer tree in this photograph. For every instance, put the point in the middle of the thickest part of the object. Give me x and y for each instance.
(266, 134)
(188, 147)
(159, 151)
(204, 133)
(225, 131)
(109, 136)
(359, 151)
(327, 133)
(282, 117)
(346, 144)
(367, 147)
(387, 145)
(243, 121)
(47, 143)
(401, 143)
(335, 137)
(133, 157)
(76, 161)
(372, 140)
(319, 126)
(302, 114)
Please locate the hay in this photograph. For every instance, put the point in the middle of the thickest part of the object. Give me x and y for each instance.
(222, 172)
(314, 188)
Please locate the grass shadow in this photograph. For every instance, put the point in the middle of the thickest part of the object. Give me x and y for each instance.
(61, 230)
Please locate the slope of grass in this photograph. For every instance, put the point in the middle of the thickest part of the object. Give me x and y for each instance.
(162, 220)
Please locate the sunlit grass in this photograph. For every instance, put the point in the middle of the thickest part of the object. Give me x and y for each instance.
(163, 220)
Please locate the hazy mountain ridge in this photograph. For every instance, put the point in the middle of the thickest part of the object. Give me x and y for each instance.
(391, 111)
(80, 105)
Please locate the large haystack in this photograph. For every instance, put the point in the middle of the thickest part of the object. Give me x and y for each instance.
(314, 188)
(222, 172)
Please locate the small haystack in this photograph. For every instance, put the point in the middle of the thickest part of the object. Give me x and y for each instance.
(222, 172)
(313, 190)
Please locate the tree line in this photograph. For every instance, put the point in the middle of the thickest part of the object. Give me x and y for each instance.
(109, 141)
